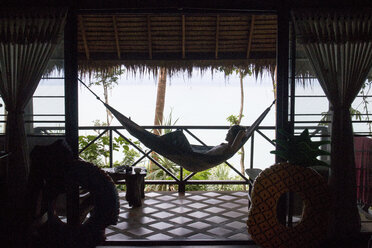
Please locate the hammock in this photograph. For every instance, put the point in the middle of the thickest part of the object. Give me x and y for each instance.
(190, 157)
(193, 157)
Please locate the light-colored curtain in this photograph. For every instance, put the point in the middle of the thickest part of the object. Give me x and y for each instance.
(27, 41)
(339, 47)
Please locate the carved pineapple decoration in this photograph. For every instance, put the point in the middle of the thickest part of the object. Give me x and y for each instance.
(292, 176)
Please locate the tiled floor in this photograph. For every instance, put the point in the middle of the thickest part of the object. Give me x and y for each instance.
(193, 216)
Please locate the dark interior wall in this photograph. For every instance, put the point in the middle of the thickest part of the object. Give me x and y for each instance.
(201, 5)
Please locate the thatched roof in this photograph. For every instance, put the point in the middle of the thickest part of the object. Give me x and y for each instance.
(178, 41)
(184, 35)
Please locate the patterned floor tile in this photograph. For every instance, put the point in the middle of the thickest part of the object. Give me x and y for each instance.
(152, 194)
(181, 231)
(211, 194)
(197, 205)
(230, 205)
(189, 216)
(150, 202)
(213, 201)
(215, 210)
(140, 231)
(122, 226)
(233, 214)
(227, 197)
(162, 215)
(181, 210)
(149, 210)
(242, 201)
(198, 214)
(165, 205)
(219, 231)
(240, 236)
(159, 236)
(161, 225)
(108, 231)
(180, 220)
(236, 224)
(239, 194)
(145, 220)
(181, 201)
(200, 236)
(197, 197)
(117, 236)
(243, 209)
(124, 215)
(216, 219)
(198, 225)
(168, 198)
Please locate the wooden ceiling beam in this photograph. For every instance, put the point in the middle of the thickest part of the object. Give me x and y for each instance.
(183, 37)
(217, 34)
(250, 37)
(198, 56)
(83, 34)
(116, 36)
(149, 36)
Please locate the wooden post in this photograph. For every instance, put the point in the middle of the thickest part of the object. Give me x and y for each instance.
(282, 123)
(217, 35)
(251, 30)
(71, 107)
(149, 39)
(183, 37)
(116, 32)
(82, 29)
(282, 60)
(292, 67)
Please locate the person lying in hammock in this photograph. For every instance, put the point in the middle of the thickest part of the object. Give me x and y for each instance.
(233, 137)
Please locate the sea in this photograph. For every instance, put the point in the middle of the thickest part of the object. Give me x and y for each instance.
(203, 99)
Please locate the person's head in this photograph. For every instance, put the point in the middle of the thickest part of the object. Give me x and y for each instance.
(233, 131)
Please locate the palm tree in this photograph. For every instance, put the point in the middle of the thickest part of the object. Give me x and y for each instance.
(108, 80)
(160, 99)
(157, 172)
(236, 120)
(159, 107)
(242, 152)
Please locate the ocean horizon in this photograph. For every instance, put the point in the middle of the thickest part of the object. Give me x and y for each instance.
(201, 100)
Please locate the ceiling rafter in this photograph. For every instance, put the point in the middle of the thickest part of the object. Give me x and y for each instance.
(83, 34)
(250, 37)
(149, 36)
(183, 37)
(169, 39)
(116, 36)
(217, 34)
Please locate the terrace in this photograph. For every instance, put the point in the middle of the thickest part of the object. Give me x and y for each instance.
(266, 37)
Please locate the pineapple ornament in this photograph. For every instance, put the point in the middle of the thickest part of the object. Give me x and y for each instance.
(296, 176)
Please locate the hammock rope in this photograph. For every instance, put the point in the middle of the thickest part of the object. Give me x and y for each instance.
(191, 157)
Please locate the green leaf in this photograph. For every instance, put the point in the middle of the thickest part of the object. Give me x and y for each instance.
(299, 149)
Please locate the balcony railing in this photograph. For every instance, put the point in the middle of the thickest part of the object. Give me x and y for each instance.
(182, 178)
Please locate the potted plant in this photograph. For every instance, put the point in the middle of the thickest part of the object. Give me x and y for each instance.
(295, 175)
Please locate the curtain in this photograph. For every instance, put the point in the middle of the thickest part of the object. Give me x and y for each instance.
(363, 164)
(27, 41)
(339, 47)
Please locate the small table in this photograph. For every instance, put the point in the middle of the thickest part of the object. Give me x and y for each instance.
(134, 180)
